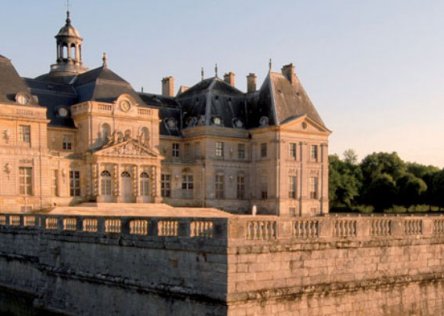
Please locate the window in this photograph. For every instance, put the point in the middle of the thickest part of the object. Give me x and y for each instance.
(187, 151)
(144, 184)
(241, 151)
(263, 150)
(105, 178)
(220, 187)
(314, 152)
(74, 183)
(25, 180)
(219, 149)
(165, 185)
(175, 150)
(25, 134)
(55, 183)
(292, 187)
(313, 187)
(187, 186)
(264, 189)
(240, 187)
(292, 150)
(67, 142)
(292, 211)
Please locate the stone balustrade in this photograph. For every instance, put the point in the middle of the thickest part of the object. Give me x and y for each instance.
(242, 228)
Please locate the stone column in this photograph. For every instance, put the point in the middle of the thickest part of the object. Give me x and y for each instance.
(116, 182)
(136, 180)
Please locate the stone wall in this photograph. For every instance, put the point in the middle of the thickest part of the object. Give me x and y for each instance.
(226, 266)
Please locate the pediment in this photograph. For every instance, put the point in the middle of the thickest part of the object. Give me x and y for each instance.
(128, 148)
(304, 124)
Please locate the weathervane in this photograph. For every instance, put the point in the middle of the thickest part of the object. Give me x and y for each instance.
(270, 64)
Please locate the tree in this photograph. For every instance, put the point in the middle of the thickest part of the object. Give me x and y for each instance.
(438, 189)
(410, 190)
(344, 182)
(381, 192)
(350, 157)
(377, 164)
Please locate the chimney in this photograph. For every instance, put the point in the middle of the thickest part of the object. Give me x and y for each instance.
(288, 72)
(230, 78)
(251, 82)
(182, 89)
(168, 86)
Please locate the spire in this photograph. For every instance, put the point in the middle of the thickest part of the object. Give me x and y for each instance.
(215, 70)
(68, 19)
(202, 73)
(270, 64)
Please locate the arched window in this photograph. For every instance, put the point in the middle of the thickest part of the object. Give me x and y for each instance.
(105, 132)
(144, 184)
(125, 174)
(127, 134)
(106, 181)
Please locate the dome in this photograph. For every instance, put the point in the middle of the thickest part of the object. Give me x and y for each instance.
(68, 30)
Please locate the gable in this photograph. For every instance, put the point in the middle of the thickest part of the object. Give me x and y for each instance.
(130, 148)
(304, 124)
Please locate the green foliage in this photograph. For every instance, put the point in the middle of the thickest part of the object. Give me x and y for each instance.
(383, 182)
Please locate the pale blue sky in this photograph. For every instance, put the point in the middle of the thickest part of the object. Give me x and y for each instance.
(374, 69)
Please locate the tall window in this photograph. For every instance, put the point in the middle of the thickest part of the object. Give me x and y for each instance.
(25, 180)
(263, 150)
(241, 151)
(55, 183)
(187, 186)
(175, 150)
(264, 189)
(165, 185)
(220, 187)
(313, 187)
(67, 142)
(105, 178)
(293, 150)
(240, 187)
(292, 187)
(144, 184)
(219, 149)
(314, 152)
(187, 151)
(145, 136)
(25, 134)
(74, 183)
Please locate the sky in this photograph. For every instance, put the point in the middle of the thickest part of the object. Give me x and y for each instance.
(374, 69)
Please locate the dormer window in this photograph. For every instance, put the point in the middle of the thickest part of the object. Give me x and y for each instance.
(22, 98)
(217, 120)
(237, 123)
(264, 121)
(171, 124)
(62, 112)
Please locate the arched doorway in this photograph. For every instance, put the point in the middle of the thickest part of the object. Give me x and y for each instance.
(127, 187)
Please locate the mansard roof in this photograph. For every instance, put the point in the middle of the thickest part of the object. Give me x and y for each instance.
(102, 84)
(280, 101)
(212, 98)
(10, 81)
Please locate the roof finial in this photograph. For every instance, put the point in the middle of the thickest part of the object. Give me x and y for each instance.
(68, 19)
(202, 73)
(270, 64)
(215, 70)
(105, 60)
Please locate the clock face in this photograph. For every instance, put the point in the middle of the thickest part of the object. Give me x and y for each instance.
(125, 105)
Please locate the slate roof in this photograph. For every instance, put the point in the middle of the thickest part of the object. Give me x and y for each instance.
(10, 81)
(278, 100)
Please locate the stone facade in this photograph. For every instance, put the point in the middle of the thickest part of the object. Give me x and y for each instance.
(76, 135)
(225, 266)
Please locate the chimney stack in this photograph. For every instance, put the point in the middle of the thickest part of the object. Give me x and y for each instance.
(168, 86)
(251, 82)
(289, 73)
(230, 78)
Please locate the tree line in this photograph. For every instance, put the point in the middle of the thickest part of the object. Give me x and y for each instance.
(383, 182)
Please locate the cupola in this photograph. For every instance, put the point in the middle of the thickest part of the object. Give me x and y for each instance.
(69, 51)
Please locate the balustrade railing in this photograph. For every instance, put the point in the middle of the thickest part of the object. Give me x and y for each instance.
(302, 229)
(261, 230)
(306, 228)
